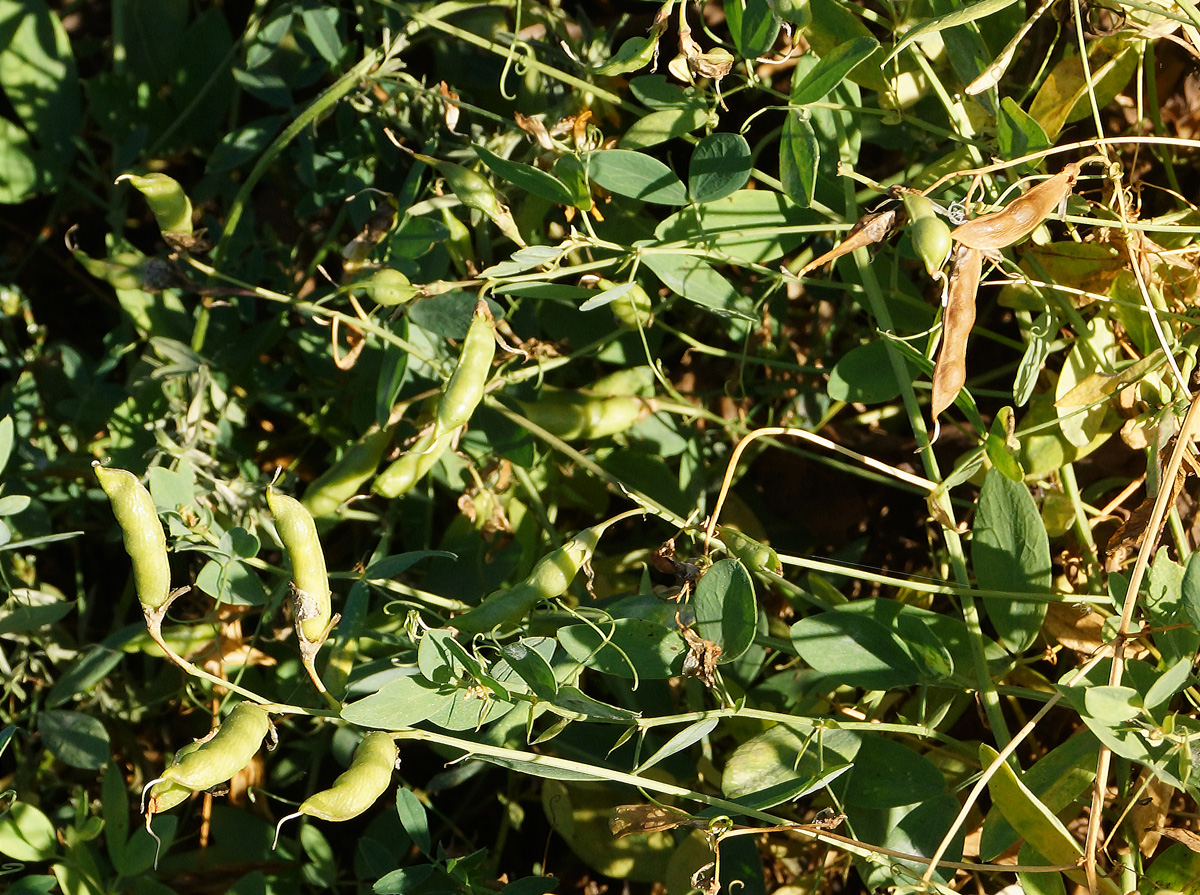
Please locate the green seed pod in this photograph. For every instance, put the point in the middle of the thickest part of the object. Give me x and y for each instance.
(356, 789)
(409, 468)
(309, 578)
(388, 287)
(343, 479)
(634, 309)
(753, 554)
(474, 191)
(145, 541)
(582, 415)
(230, 749)
(166, 794)
(550, 578)
(464, 389)
(929, 233)
(166, 198)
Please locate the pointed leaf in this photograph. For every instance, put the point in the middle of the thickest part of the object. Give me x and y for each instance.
(832, 68)
(799, 156)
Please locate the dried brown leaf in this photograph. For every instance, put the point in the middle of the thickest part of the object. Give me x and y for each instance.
(1185, 837)
(868, 230)
(629, 819)
(1128, 536)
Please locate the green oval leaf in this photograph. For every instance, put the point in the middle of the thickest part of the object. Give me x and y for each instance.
(74, 738)
(888, 774)
(629, 647)
(532, 180)
(799, 155)
(636, 175)
(1011, 552)
(658, 127)
(720, 165)
(399, 703)
(853, 650)
(726, 611)
(864, 375)
(26, 834)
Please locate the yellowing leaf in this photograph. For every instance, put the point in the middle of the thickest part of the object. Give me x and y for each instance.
(1063, 97)
(1086, 266)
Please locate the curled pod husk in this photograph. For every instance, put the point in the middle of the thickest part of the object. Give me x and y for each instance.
(958, 317)
(145, 541)
(228, 751)
(171, 207)
(464, 389)
(298, 532)
(358, 787)
(329, 491)
(1021, 216)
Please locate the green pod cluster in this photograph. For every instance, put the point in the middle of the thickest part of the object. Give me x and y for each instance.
(298, 532)
(474, 191)
(753, 554)
(166, 198)
(358, 787)
(228, 751)
(929, 233)
(145, 541)
(329, 491)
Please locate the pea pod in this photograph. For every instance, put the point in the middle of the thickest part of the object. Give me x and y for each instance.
(1022, 215)
(166, 198)
(550, 578)
(582, 415)
(166, 794)
(342, 480)
(143, 534)
(228, 751)
(388, 287)
(409, 468)
(464, 389)
(310, 581)
(753, 554)
(929, 233)
(474, 191)
(358, 788)
(461, 395)
(634, 309)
